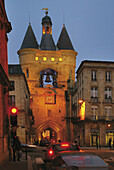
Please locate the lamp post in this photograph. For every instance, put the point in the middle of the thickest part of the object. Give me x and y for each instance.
(26, 144)
(13, 118)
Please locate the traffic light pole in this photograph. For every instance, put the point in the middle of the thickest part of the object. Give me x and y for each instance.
(26, 145)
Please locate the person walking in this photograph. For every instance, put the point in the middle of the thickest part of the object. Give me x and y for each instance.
(17, 147)
(110, 140)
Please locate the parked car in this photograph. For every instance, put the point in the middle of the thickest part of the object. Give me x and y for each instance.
(76, 160)
(55, 149)
(29, 147)
(80, 161)
(44, 142)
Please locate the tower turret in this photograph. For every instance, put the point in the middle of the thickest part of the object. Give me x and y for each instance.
(64, 42)
(29, 39)
(47, 42)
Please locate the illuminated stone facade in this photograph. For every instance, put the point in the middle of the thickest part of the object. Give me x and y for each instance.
(95, 86)
(48, 61)
(20, 98)
(5, 27)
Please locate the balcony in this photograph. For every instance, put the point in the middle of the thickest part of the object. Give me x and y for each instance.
(99, 117)
(94, 99)
(108, 100)
(93, 118)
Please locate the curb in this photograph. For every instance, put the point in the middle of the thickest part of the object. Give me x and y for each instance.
(30, 167)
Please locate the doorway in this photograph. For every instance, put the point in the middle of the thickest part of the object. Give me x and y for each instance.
(49, 134)
(95, 139)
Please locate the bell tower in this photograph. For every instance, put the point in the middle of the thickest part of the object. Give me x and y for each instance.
(46, 67)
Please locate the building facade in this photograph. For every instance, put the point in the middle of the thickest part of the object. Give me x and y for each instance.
(19, 97)
(93, 119)
(5, 27)
(47, 67)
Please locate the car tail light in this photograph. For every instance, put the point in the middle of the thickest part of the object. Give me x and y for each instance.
(50, 152)
(65, 145)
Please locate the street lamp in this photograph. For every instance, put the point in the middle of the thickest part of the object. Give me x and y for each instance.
(80, 101)
(82, 109)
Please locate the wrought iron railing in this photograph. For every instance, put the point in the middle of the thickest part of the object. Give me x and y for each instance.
(95, 117)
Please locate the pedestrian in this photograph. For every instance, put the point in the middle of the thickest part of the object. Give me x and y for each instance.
(75, 142)
(110, 140)
(17, 144)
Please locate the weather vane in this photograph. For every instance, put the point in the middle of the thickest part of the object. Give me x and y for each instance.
(46, 10)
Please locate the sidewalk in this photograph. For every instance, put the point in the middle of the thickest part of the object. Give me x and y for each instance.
(23, 164)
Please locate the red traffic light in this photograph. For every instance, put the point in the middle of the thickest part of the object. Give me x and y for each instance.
(14, 110)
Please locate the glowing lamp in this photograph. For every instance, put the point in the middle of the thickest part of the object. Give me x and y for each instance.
(51, 152)
(80, 101)
(109, 125)
(14, 110)
(65, 145)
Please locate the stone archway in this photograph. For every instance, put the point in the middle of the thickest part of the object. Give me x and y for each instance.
(54, 127)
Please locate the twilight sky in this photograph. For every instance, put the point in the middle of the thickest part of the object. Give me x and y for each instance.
(89, 23)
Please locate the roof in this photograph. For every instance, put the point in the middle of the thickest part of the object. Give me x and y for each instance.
(93, 61)
(46, 19)
(47, 43)
(29, 39)
(3, 77)
(17, 70)
(64, 42)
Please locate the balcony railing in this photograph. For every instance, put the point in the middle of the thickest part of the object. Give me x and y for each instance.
(95, 117)
(108, 100)
(99, 117)
(94, 99)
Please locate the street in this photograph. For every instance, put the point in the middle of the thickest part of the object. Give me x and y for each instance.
(105, 153)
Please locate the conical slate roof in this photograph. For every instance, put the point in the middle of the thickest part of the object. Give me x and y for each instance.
(47, 43)
(29, 39)
(64, 42)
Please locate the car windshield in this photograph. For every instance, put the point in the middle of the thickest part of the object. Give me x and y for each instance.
(65, 147)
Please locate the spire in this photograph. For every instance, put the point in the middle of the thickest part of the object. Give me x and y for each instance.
(47, 42)
(29, 39)
(64, 42)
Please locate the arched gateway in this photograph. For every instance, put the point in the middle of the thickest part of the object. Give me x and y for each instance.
(50, 130)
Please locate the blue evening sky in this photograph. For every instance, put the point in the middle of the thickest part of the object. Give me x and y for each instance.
(90, 25)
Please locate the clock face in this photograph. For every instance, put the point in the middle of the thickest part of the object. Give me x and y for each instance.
(50, 99)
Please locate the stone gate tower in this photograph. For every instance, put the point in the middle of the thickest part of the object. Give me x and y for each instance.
(47, 67)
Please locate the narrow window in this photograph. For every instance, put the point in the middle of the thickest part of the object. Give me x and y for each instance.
(47, 29)
(93, 76)
(94, 92)
(12, 85)
(49, 113)
(108, 76)
(108, 112)
(43, 30)
(94, 112)
(51, 30)
(108, 93)
(27, 73)
(12, 100)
